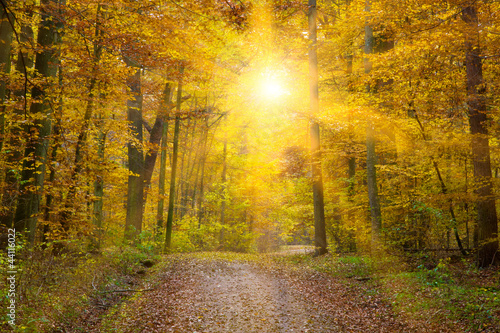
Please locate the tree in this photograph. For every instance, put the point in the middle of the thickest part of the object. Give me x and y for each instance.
(175, 152)
(319, 207)
(478, 115)
(135, 193)
(39, 127)
(371, 157)
(5, 64)
(5, 41)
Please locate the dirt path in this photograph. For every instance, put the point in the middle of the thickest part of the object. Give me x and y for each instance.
(214, 295)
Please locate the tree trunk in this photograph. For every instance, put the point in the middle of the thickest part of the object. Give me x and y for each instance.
(155, 138)
(371, 175)
(319, 207)
(203, 159)
(223, 193)
(135, 193)
(171, 199)
(476, 101)
(6, 42)
(39, 130)
(180, 184)
(371, 158)
(52, 162)
(167, 96)
(161, 185)
(97, 216)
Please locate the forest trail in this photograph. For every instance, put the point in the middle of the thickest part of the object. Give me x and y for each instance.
(217, 295)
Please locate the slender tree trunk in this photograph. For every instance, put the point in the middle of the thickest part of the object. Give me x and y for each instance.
(180, 183)
(202, 176)
(33, 173)
(161, 185)
(52, 175)
(97, 214)
(485, 202)
(371, 175)
(371, 158)
(5, 41)
(163, 158)
(171, 199)
(319, 207)
(135, 193)
(155, 138)
(187, 176)
(223, 180)
(191, 186)
(223, 194)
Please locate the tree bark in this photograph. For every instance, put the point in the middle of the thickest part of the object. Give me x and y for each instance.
(203, 159)
(5, 42)
(371, 158)
(161, 185)
(476, 101)
(171, 199)
(33, 173)
(155, 138)
(319, 207)
(135, 193)
(97, 216)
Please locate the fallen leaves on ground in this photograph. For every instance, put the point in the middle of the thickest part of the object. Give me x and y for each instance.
(217, 294)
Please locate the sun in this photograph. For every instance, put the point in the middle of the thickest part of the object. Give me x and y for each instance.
(272, 88)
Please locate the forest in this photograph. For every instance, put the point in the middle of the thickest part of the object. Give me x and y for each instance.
(159, 157)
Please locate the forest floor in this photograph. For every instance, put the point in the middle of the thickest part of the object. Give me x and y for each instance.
(214, 292)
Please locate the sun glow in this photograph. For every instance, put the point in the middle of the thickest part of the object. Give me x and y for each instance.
(272, 88)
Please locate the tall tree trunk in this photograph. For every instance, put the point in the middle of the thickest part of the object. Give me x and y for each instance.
(371, 158)
(33, 173)
(223, 193)
(167, 100)
(171, 199)
(188, 170)
(5, 41)
(203, 159)
(52, 162)
(319, 207)
(155, 137)
(161, 185)
(180, 183)
(97, 216)
(135, 192)
(485, 202)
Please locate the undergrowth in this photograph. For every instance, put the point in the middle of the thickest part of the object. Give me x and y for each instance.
(56, 289)
(441, 292)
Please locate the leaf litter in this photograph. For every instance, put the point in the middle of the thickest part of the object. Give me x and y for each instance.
(215, 294)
